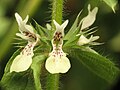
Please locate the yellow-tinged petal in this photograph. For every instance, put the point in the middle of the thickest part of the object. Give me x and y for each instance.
(18, 18)
(50, 65)
(57, 64)
(83, 40)
(21, 63)
(64, 65)
(60, 27)
(93, 38)
(90, 18)
(26, 19)
(29, 28)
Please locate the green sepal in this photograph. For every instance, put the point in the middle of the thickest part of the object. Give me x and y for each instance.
(18, 81)
(73, 29)
(44, 32)
(73, 40)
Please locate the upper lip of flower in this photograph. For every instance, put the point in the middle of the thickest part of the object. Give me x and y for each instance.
(60, 28)
(89, 19)
(27, 31)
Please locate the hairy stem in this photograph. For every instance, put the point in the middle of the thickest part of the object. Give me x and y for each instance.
(53, 82)
(36, 66)
(57, 8)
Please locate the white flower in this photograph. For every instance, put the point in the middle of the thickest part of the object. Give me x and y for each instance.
(85, 23)
(23, 61)
(83, 40)
(57, 61)
(90, 18)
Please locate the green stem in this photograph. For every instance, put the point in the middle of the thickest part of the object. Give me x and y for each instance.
(57, 9)
(36, 74)
(52, 82)
(36, 66)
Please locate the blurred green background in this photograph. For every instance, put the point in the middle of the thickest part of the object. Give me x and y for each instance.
(79, 77)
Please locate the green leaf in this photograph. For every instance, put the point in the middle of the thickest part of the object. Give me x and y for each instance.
(52, 82)
(100, 65)
(18, 81)
(111, 3)
(73, 40)
(27, 80)
(36, 66)
(57, 12)
(71, 37)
